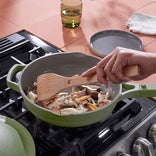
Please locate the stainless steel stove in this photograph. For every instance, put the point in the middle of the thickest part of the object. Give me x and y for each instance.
(129, 130)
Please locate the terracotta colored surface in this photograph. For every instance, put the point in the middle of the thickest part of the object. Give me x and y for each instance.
(43, 19)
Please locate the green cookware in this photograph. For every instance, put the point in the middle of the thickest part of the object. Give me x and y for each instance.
(15, 140)
(68, 64)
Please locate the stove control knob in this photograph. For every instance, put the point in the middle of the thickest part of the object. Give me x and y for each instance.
(124, 154)
(152, 134)
(142, 147)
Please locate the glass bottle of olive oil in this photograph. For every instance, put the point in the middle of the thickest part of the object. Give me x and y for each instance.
(71, 11)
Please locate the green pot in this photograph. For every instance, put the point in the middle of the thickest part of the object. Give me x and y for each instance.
(68, 64)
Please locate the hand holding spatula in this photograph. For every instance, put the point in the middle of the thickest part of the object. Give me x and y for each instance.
(50, 84)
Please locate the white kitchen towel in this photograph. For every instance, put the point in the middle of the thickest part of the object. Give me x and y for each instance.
(142, 23)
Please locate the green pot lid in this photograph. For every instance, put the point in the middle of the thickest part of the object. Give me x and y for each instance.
(15, 140)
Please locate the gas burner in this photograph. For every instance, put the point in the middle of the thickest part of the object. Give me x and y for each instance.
(131, 118)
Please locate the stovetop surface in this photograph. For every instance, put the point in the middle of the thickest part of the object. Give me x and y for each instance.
(24, 47)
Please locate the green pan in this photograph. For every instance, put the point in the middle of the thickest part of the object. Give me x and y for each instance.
(15, 139)
(68, 64)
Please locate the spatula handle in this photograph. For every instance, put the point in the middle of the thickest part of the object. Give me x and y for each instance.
(129, 71)
(79, 80)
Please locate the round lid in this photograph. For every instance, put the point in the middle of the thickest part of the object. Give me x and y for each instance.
(104, 42)
(15, 139)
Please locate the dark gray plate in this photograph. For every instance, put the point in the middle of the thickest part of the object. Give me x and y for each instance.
(103, 42)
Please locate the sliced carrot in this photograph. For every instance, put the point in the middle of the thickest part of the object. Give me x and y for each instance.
(83, 98)
(91, 107)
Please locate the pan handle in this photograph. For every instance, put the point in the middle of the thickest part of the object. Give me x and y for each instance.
(135, 90)
(14, 69)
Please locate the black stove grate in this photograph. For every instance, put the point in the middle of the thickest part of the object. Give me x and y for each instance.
(24, 47)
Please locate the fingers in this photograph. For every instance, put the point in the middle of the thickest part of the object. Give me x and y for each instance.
(108, 70)
(114, 67)
(111, 67)
(117, 69)
(89, 72)
(101, 75)
(96, 70)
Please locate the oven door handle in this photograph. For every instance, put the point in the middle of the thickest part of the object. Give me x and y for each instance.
(12, 72)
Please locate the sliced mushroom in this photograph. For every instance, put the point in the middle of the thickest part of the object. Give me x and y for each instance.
(103, 99)
(91, 90)
(32, 96)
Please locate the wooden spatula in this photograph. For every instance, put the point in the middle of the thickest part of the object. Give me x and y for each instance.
(50, 84)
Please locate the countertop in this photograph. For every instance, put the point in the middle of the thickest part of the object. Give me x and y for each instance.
(42, 18)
